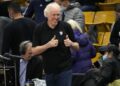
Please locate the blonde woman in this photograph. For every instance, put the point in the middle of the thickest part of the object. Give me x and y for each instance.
(74, 25)
(82, 58)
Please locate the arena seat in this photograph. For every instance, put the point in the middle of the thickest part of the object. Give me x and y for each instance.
(106, 39)
(89, 18)
(107, 6)
(99, 39)
(104, 20)
(96, 58)
(112, 1)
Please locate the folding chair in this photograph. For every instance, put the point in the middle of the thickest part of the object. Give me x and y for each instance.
(96, 58)
(104, 20)
(89, 17)
(112, 1)
(100, 39)
(106, 39)
(107, 6)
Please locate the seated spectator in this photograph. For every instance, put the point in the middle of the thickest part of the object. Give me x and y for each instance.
(70, 11)
(102, 56)
(82, 58)
(29, 67)
(109, 72)
(104, 53)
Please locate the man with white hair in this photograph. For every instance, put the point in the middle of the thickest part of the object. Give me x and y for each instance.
(53, 40)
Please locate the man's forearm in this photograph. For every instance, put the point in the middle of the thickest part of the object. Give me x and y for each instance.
(39, 49)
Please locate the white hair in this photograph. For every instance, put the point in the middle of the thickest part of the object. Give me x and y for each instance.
(74, 25)
(51, 6)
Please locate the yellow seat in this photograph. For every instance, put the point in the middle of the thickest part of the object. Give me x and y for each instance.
(103, 39)
(99, 39)
(96, 58)
(105, 17)
(106, 39)
(89, 18)
(112, 1)
(107, 6)
(116, 1)
(104, 20)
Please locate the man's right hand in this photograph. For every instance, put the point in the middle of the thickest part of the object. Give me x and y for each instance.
(40, 49)
(53, 42)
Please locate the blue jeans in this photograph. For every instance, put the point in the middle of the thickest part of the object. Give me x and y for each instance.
(62, 79)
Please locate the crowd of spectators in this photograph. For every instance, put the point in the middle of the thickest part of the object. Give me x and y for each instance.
(50, 35)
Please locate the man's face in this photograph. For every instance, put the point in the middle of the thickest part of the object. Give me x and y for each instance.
(54, 16)
(65, 3)
(10, 11)
(110, 55)
(28, 53)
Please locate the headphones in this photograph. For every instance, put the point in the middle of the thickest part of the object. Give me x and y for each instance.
(23, 46)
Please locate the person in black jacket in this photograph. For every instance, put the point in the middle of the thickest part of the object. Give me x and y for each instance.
(115, 33)
(14, 33)
(18, 30)
(29, 67)
(109, 72)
